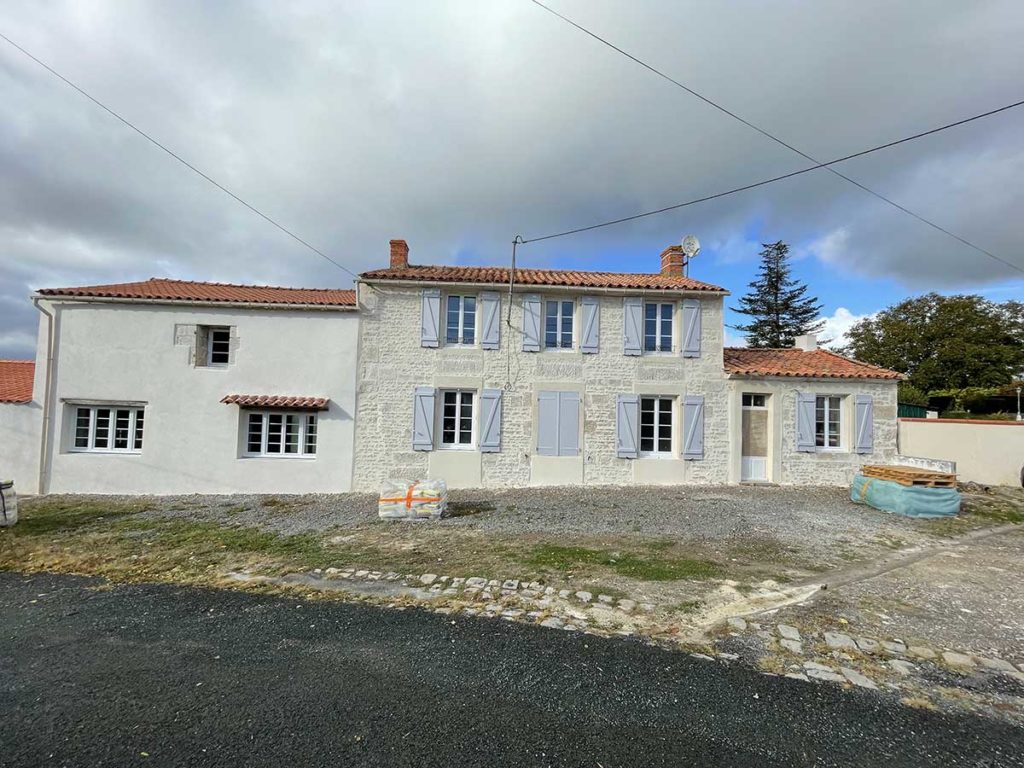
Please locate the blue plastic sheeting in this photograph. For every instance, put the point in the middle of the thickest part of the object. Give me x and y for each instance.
(907, 500)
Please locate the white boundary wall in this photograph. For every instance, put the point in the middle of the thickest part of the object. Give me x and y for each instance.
(987, 452)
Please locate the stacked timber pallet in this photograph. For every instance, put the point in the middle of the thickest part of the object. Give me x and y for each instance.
(910, 476)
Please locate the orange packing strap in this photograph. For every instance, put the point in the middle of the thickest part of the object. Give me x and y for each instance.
(408, 499)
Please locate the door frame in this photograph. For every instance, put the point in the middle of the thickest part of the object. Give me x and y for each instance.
(764, 461)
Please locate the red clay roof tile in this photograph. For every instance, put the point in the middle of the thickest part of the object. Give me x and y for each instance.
(16, 381)
(551, 277)
(277, 401)
(163, 289)
(820, 364)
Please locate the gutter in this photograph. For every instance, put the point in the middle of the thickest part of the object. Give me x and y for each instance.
(44, 438)
(529, 288)
(188, 303)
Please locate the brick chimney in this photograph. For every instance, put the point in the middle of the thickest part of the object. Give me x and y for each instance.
(672, 261)
(399, 254)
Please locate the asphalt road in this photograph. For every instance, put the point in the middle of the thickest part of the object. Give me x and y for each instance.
(159, 675)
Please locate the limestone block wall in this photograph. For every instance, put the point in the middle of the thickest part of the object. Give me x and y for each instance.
(392, 364)
(787, 466)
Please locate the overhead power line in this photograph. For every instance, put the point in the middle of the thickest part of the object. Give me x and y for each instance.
(776, 139)
(179, 158)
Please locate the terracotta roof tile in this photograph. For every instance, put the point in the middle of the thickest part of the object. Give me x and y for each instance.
(16, 381)
(552, 277)
(163, 289)
(820, 364)
(277, 401)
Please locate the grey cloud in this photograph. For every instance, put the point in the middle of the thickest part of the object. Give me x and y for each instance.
(459, 124)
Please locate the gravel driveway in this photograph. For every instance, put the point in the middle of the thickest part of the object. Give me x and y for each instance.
(822, 519)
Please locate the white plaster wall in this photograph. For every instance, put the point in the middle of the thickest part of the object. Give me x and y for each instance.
(786, 465)
(392, 363)
(991, 453)
(20, 425)
(135, 352)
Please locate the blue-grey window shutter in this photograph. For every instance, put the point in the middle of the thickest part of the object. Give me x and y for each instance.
(547, 423)
(632, 325)
(423, 419)
(430, 318)
(490, 335)
(531, 323)
(805, 422)
(591, 324)
(691, 327)
(864, 411)
(627, 426)
(693, 427)
(490, 421)
(568, 423)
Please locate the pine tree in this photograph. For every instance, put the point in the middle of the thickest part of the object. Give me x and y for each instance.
(779, 305)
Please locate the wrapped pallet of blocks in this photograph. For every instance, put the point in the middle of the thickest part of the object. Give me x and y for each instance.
(404, 500)
(906, 492)
(8, 504)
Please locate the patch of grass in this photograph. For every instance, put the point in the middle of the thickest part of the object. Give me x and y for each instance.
(660, 567)
(274, 502)
(686, 606)
(59, 514)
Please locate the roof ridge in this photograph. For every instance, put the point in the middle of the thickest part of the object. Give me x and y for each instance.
(5, 360)
(223, 285)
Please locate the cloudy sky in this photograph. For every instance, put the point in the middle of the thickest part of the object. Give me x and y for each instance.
(457, 125)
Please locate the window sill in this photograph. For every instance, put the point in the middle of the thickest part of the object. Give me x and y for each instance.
(277, 456)
(657, 456)
(106, 451)
(457, 448)
(820, 449)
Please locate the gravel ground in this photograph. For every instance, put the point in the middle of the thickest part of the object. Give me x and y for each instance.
(821, 518)
(161, 675)
(967, 598)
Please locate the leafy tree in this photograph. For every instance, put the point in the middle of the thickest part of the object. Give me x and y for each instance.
(779, 305)
(944, 342)
(911, 395)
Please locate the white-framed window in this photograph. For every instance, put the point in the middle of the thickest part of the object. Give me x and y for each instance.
(458, 418)
(656, 426)
(460, 320)
(754, 400)
(558, 321)
(280, 434)
(218, 346)
(658, 326)
(108, 429)
(828, 421)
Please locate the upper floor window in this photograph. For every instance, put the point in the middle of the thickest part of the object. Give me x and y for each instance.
(828, 421)
(558, 318)
(280, 434)
(658, 327)
(460, 320)
(213, 346)
(218, 346)
(108, 429)
(656, 425)
(457, 418)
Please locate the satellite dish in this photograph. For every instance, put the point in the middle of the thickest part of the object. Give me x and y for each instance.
(691, 246)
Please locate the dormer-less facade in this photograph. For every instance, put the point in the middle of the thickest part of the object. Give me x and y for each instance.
(558, 378)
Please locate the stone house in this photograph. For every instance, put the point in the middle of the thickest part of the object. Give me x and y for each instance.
(555, 377)
(568, 377)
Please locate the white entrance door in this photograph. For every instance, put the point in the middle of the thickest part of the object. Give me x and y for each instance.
(754, 455)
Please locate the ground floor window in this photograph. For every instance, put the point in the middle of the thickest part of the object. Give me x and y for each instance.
(108, 428)
(457, 418)
(828, 421)
(280, 433)
(656, 425)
